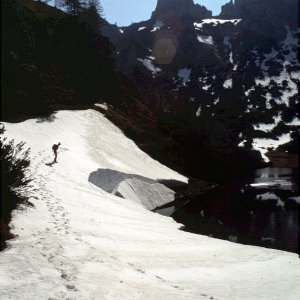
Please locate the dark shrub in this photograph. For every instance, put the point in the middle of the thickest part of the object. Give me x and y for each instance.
(15, 181)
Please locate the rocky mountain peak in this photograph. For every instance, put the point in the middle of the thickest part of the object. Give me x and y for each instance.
(180, 8)
(266, 11)
(236, 75)
(229, 11)
(267, 18)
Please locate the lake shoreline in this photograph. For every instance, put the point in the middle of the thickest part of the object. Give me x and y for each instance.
(261, 210)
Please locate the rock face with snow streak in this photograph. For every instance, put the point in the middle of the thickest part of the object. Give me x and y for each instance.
(268, 14)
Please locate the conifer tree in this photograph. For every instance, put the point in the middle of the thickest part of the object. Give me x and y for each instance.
(15, 181)
(93, 15)
(73, 7)
(97, 6)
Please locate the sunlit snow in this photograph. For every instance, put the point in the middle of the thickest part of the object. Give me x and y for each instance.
(227, 84)
(206, 87)
(242, 143)
(268, 127)
(102, 105)
(231, 57)
(147, 62)
(294, 122)
(247, 93)
(215, 22)
(216, 101)
(82, 242)
(262, 145)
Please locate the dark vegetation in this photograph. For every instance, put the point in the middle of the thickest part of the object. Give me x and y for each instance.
(50, 58)
(15, 182)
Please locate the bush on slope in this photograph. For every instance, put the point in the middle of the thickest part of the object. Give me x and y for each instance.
(15, 182)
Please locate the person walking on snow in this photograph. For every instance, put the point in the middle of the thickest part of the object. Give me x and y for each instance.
(54, 148)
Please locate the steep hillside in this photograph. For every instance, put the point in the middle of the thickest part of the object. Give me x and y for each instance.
(49, 59)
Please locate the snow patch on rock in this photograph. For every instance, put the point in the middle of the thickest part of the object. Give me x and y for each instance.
(294, 122)
(204, 39)
(102, 105)
(262, 145)
(215, 22)
(270, 196)
(147, 62)
(157, 26)
(268, 127)
(198, 112)
(227, 84)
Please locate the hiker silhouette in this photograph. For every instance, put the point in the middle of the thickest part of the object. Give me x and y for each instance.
(55, 148)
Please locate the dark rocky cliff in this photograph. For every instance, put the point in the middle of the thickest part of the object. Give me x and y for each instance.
(235, 75)
(179, 8)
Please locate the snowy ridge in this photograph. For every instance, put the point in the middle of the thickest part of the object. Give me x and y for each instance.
(81, 242)
(215, 22)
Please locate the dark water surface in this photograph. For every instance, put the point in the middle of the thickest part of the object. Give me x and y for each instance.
(262, 210)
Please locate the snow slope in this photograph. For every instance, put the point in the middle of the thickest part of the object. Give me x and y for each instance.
(82, 242)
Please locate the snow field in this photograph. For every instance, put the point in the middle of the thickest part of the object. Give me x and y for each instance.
(81, 242)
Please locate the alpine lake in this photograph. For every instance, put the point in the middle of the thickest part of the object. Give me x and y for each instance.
(261, 210)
